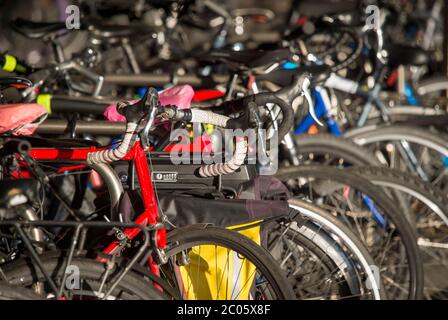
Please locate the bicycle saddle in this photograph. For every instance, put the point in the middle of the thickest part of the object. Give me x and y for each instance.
(21, 118)
(248, 59)
(406, 55)
(35, 30)
(283, 78)
(314, 8)
(11, 190)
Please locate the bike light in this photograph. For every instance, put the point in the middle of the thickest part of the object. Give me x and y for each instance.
(161, 238)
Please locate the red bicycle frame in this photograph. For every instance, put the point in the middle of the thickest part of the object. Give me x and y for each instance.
(138, 156)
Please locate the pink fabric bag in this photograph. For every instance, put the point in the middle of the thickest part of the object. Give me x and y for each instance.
(179, 96)
(21, 118)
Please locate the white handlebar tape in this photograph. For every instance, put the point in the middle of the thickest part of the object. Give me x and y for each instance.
(202, 116)
(238, 157)
(198, 116)
(111, 155)
(237, 160)
(342, 84)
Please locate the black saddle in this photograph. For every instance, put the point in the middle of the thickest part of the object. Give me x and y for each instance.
(249, 59)
(313, 8)
(406, 55)
(11, 190)
(36, 30)
(283, 78)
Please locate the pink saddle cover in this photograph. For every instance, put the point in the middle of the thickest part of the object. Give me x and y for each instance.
(179, 96)
(21, 118)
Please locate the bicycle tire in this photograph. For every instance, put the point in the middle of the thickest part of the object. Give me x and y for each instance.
(196, 235)
(416, 138)
(24, 272)
(345, 149)
(353, 247)
(376, 133)
(380, 199)
(430, 215)
(410, 184)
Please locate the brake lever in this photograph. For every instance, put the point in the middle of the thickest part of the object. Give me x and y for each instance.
(152, 102)
(305, 89)
(257, 123)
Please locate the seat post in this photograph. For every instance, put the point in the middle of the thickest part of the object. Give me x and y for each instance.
(129, 52)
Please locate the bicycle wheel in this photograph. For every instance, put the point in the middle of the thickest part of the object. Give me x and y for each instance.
(325, 149)
(428, 209)
(90, 279)
(431, 92)
(330, 150)
(323, 259)
(368, 212)
(206, 262)
(405, 148)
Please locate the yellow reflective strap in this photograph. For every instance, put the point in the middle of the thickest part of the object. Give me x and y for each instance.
(45, 101)
(10, 63)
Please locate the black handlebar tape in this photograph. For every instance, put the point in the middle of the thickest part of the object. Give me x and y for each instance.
(261, 99)
(355, 54)
(286, 109)
(282, 98)
(246, 121)
(10, 63)
(73, 105)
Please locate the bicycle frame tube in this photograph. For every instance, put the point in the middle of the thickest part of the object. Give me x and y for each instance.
(372, 99)
(322, 109)
(138, 156)
(411, 98)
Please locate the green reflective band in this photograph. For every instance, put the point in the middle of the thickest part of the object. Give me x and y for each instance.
(10, 63)
(20, 68)
(45, 101)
